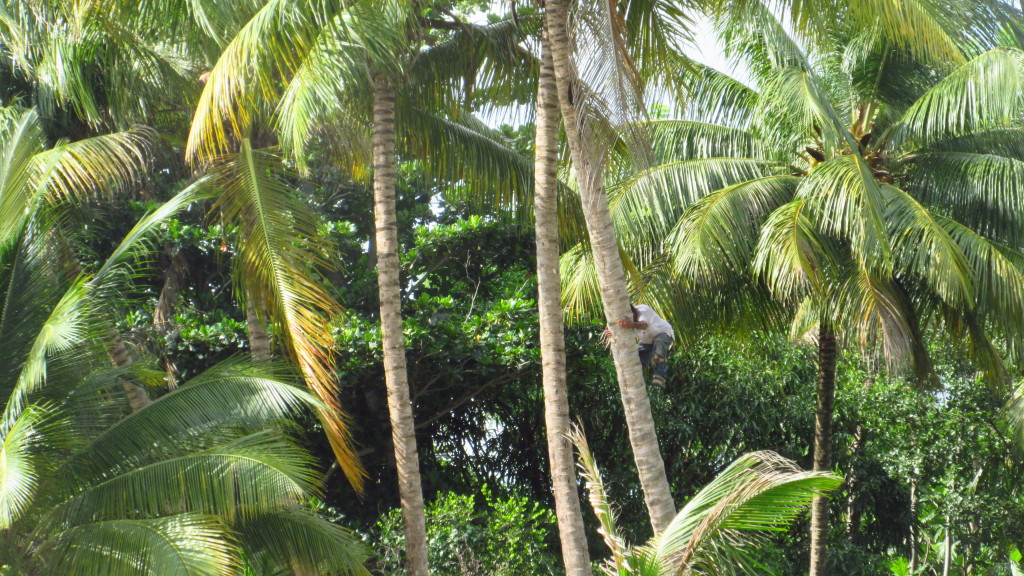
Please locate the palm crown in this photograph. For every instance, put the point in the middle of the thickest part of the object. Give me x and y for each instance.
(863, 190)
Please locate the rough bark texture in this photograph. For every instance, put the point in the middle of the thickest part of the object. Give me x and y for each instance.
(259, 341)
(823, 446)
(403, 431)
(587, 159)
(552, 330)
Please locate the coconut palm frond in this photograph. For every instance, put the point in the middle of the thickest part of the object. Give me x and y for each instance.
(296, 539)
(715, 239)
(759, 492)
(179, 545)
(280, 245)
(982, 94)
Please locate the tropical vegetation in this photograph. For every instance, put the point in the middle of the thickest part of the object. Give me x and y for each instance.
(331, 288)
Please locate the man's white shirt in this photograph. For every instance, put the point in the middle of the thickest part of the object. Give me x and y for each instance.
(655, 325)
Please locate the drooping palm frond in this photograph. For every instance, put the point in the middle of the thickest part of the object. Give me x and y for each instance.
(792, 256)
(599, 501)
(297, 540)
(647, 206)
(984, 190)
(690, 139)
(180, 545)
(982, 94)
(922, 241)
(581, 295)
(846, 201)
(715, 239)
(23, 140)
(273, 46)
(23, 442)
(486, 167)
(759, 492)
(93, 166)
(232, 395)
(795, 104)
(923, 28)
(240, 478)
(279, 245)
(714, 97)
(875, 311)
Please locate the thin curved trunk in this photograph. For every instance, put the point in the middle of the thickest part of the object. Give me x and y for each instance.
(403, 430)
(588, 159)
(552, 330)
(177, 268)
(138, 398)
(823, 446)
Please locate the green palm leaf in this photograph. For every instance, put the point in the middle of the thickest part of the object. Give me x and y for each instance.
(242, 478)
(715, 239)
(759, 492)
(180, 545)
(296, 540)
(982, 94)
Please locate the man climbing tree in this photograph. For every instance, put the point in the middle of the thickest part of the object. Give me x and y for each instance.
(654, 339)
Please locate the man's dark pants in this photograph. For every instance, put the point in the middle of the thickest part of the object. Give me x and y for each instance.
(656, 352)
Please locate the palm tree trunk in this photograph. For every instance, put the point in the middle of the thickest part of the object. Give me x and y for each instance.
(552, 331)
(177, 268)
(947, 550)
(259, 341)
(402, 425)
(823, 445)
(588, 158)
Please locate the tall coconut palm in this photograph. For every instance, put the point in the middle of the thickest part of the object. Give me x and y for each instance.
(332, 61)
(719, 528)
(866, 192)
(588, 157)
(575, 555)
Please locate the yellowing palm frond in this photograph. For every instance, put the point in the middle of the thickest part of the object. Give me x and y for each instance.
(279, 247)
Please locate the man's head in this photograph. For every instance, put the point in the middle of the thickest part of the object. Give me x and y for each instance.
(636, 313)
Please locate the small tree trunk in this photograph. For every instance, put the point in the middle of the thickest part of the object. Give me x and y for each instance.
(823, 446)
(552, 336)
(913, 526)
(177, 268)
(852, 510)
(403, 428)
(588, 160)
(947, 550)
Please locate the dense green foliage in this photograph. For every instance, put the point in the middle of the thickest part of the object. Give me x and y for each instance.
(182, 182)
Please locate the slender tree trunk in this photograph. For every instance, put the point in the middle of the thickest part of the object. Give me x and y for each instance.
(852, 480)
(552, 336)
(913, 525)
(588, 159)
(947, 550)
(823, 445)
(402, 425)
(177, 268)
